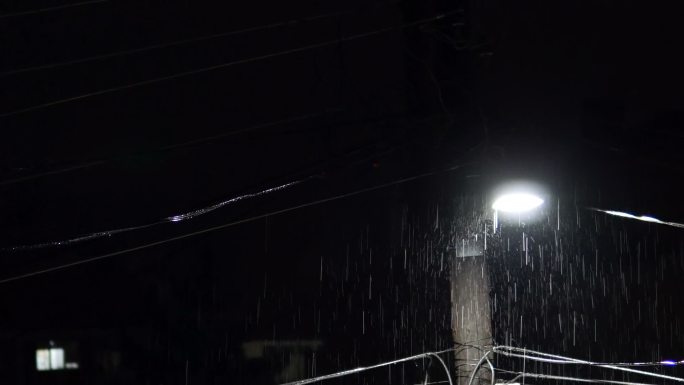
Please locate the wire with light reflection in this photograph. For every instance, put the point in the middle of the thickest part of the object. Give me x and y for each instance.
(625, 367)
(309, 173)
(233, 223)
(642, 218)
(527, 354)
(171, 219)
(509, 351)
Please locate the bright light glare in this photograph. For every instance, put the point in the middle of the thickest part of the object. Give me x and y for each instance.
(517, 203)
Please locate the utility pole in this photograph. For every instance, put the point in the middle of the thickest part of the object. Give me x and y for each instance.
(471, 319)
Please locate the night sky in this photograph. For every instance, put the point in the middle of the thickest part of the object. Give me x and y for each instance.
(362, 141)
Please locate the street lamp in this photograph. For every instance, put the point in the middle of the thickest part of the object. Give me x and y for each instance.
(517, 202)
(516, 198)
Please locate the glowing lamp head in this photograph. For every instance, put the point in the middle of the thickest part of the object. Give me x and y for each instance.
(517, 202)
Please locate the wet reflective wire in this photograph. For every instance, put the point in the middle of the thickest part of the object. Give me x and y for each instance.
(642, 218)
(171, 219)
(231, 224)
(507, 351)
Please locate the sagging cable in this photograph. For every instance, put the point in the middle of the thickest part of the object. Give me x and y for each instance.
(171, 219)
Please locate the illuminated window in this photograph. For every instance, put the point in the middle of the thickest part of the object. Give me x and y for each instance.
(56, 358)
(51, 359)
(43, 359)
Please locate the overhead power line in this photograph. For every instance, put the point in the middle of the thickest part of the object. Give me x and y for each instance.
(109, 55)
(170, 219)
(230, 224)
(222, 66)
(50, 9)
(308, 174)
(174, 146)
(171, 44)
(642, 218)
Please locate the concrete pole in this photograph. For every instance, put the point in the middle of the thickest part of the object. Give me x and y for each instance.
(471, 321)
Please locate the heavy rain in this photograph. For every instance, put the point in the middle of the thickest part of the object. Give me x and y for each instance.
(396, 193)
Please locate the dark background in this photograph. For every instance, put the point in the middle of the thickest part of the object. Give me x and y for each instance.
(585, 96)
